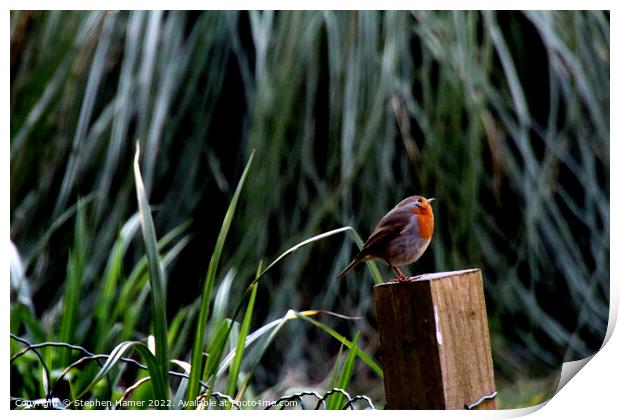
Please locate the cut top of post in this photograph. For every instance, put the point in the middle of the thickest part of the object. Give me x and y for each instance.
(432, 276)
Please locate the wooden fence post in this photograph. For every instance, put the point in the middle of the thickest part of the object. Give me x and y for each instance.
(434, 341)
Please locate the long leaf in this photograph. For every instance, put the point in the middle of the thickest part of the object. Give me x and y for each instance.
(109, 285)
(305, 315)
(274, 328)
(251, 338)
(199, 339)
(374, 271)
(334, 402)
(262, 350)
(215, 352)
(73, 286)
(156, 279)
(235, 367)
(160, 386)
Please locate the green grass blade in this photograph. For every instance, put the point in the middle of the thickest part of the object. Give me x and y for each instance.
(277, 326)
(215, 352)
(73, 286)
(181, 339)
(248, 341)
(134, 291)
(336, 370)
(156, 278)
(302, 244)
(235, 367)
(335, 402)
(160, 386)
(97, 70)
(372, 266)
(260, 274)
(40, 244)
(21, 314)
(199, 340)
(20, 287)
(305, 315)
(133, 281)
(109, 285)
(175, 325)
(106, 296)
(222, 298)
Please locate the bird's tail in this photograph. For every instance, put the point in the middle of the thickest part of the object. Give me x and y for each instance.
(351, 266)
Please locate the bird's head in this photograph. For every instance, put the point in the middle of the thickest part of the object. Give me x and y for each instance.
(420, 205)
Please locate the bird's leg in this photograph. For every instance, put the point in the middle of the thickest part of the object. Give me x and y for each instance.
(402, 274)
(399, 273)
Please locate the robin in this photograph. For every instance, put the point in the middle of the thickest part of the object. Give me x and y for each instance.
(400, 237)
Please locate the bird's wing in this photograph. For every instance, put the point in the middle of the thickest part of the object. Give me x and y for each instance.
(388, 228)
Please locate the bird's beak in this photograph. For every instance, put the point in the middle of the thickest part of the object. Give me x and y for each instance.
(430, 200)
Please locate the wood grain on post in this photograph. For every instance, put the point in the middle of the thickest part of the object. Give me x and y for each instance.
(434, 340)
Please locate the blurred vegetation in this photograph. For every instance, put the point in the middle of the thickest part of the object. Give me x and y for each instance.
(503, 117)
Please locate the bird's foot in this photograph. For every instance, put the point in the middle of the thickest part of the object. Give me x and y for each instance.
(400, 276)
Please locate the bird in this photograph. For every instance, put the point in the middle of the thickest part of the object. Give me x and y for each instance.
(400, 237)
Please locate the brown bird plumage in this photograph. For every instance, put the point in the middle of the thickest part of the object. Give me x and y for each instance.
(400, 237)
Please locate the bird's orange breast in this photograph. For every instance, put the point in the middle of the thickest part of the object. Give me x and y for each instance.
(426, 221)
